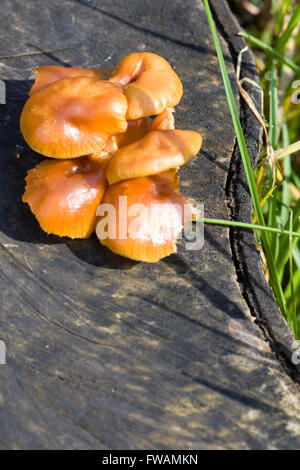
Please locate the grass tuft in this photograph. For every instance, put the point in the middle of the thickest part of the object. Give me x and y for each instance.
(275, 190)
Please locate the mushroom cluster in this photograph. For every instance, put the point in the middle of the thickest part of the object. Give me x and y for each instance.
(112, 138)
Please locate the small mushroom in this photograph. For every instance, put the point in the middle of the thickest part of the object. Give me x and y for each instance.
(64, 195)
(158, 151)
(47, 74)
(150, 84)
(147, 228)
(107, 152)
(135, 131)
(73, 117)
(164, 120)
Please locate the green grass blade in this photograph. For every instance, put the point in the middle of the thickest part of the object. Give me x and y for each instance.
(274, 142)
(287, 150)
(285, 36)
(296, 179)
(234, 223)
(294, 314)
(297, 59)
(270, 51)
(296, 256)
(283, 252)
(274, 280)
(296, 286)
(287, 172)
(276, 15)
(273, 108)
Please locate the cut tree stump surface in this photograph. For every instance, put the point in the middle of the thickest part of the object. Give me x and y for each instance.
(107, 353)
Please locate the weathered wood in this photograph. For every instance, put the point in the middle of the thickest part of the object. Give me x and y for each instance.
(103, 352)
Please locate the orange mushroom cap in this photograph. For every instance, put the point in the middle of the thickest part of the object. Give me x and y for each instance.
(64, 195)
(47, 74)
(135, 131)
(73, 117)
(164, 120)
(151, 233)
(158, 151)
(150, 84)
(107, 152)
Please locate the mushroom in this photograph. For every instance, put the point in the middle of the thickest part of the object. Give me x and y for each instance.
(164, 120)
(146, 228)
(64, 195)
(107, 152)
(135, 131)
(73, 117)
(150, 84)
(158, 151)
(47, 74)
(97, 122)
